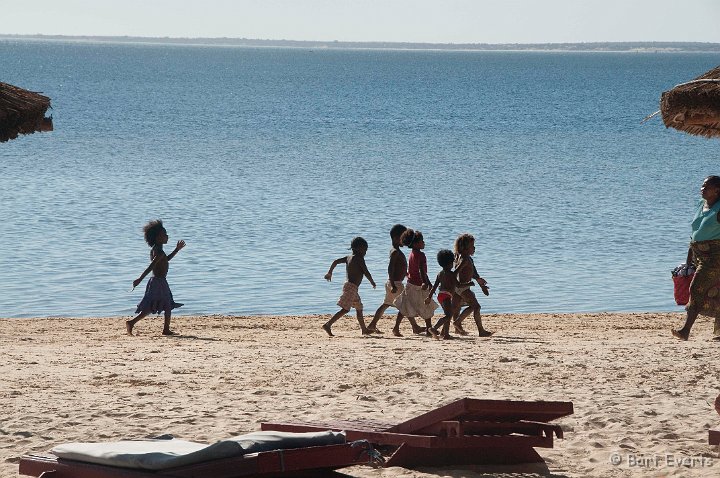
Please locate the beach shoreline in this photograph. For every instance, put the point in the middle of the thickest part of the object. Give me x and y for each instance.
(638, 393)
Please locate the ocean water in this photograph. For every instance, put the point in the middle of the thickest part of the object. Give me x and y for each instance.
(267, 162)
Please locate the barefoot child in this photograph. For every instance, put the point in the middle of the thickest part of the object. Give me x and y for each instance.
(465, 272)
(460, 316)
(411, 303)
(397, 270)
(355, 268)
(447, 281)
(158, 297)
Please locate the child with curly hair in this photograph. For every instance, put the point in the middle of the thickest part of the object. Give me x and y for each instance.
(447, 282)
(158, 297)
(465, 272)
(411, 303)
(355, 269)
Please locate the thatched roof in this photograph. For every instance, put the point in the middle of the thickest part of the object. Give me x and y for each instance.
(22, 112)
(694, 107)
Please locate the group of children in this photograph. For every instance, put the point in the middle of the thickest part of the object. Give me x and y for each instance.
(415, 299)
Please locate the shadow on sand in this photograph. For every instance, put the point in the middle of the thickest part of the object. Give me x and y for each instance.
(194, 337)
(525, 470)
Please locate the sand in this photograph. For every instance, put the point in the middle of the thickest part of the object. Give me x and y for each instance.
(638, 393)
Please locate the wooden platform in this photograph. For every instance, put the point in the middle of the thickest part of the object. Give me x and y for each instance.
(311, 462)
(467, 431)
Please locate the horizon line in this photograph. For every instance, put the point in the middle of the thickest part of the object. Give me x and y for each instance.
(330, 42)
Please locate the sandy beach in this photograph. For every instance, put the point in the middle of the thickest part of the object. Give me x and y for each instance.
(637, 392)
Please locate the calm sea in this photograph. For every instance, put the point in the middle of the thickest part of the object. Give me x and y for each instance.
(269, 161)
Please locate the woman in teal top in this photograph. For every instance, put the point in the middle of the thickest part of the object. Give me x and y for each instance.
(705, 253)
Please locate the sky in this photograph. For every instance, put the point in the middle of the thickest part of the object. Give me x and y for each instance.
(434, 21)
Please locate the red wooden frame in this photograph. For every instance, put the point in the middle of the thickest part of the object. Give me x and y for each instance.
(466, 431)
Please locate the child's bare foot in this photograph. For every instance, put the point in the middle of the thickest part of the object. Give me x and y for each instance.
(326, 328)
(680, 334)
(375, 330)
(459, 330)
(419, 330)
(447, 337)
(129, 326)
(485, 333)
(366, 332)
(168, 332)
(433, 333)
(396, 333)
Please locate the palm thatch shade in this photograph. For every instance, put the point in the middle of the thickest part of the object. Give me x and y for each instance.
(694, 107)
(22, 112)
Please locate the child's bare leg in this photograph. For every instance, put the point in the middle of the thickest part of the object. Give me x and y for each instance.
(441, 322)
(396, 329)
(475, 306)
(444, 321)
(327, 326)
(416, 328)
(372, 326)
(482, 332)
(129, 324)
(429, 331)
(458, 321)
(445, 332)
(166, 326)
(361, 321)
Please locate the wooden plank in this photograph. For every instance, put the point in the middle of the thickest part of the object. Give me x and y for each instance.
(459, 428)
(35, 465)
(411, 457)
(334, 425)
(448, 412)
(515, 410)
(427, 441)
(376, 437)
(316, 458)
(471, 409)
(493, 441)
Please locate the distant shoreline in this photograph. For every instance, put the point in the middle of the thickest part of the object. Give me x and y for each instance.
(603, 47)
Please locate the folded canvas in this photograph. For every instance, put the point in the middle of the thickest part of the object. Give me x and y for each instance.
(161, 454)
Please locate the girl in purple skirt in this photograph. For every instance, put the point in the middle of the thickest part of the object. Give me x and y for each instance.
(158, 297)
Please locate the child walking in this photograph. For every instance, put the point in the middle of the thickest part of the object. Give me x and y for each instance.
(397, 270)
(355, 269)
(447, 282)
(465, 272)
(158, 297)
(411, 303)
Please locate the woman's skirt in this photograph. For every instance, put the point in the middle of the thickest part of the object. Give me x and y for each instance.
(411, 303)
(158, 297)
(705, 286)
